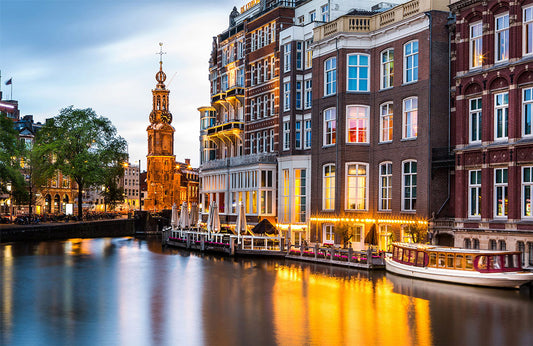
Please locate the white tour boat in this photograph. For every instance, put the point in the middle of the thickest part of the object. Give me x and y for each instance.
(463, 266)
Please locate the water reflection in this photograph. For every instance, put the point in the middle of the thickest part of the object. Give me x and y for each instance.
(126, 291)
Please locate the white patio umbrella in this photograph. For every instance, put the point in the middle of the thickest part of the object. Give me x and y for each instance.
(174, 218)
(184, 216)
(194, 215)
(240, 226)
(216, 219)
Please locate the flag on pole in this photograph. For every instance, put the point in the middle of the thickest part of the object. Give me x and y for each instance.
(9, 81)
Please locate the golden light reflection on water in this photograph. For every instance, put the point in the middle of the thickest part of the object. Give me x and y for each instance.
(316, 308)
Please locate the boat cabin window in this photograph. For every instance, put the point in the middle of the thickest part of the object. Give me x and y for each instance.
(432, 259)
(482, 262)
(469, 262)
(412, 256)
(449, 262)
(508, 261)
(400, 253)
(442, 260)
(459, 261)
(395, 252)
(420, 258)
(495, 262)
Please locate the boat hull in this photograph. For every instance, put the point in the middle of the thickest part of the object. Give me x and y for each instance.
(504, 280)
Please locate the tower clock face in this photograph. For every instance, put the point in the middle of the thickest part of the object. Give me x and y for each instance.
(152, 117)
(166, 117)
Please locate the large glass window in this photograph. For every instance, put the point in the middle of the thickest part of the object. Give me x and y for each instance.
(527, 107)
(502, 37)
(298, 135)
(385, 122)
(308, 54)
(300, 185)
(307, 134)
(286, 135)
(527, 189)
(410, 118)
(330, 71)
(387, 68)
(330, 126)
(298, 101)
(501, 115)
(357, 124)
(308, 93)
(286, 196)
(474, 193)
(476, 45)
(385, 186)
(409, 170)
(410, 54)
(286, 96)
(299, 55)
(287, 57)
(385, 237)
(475, 120)
(500, 192)
(527, 30)
(358, 72)
(328, 190)
(356, 186)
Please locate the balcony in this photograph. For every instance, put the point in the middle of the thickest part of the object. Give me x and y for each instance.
(237, 161)
(234, 92)
(368, 23)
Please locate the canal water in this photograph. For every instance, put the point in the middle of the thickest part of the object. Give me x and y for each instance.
(124, 291)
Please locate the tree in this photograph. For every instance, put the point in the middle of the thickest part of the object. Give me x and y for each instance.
(112, 191)
(81, 145)
(417, 232)
(345, 232)
(11, 152)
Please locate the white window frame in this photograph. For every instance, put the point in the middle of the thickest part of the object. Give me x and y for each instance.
(330, 76)
(475, 118)
(354, 72)
(412, 187)
(286, 135)
(527, 30)
(330, 137)
(307, 134)
(299, 55)
(410, 118)
(387, 69)
(527, 184)
(298, 134)
(324, 12)
(252, 143)
(501, 107)
(271, 141)
(287, 96)
(527, 112)
(298, 95)
(475, 56)
(328, 189)
(328, 234)
(312, 16)
(308, 54)
(359, 114)
(308, 92)
(353, 186)
(474, 193)
(410, 74)
(385, 186)
(503, 187)
(386, 121)
(287, 57)
(501, 37)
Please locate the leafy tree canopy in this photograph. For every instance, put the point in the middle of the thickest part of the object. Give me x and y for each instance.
(81, 145)
(11, 150)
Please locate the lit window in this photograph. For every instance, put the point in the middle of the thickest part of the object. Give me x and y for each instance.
(409, 171)
(474, 194)
(527, 109)
(385, 237)
(475, 120)
(410, 118)
(410, 54)
(527, 189)
(500, 192)
(308, 54)
(502, 37)
(501, 115)
(329, 235)
(330, 70)
(300, 195)
(330, 126)
(357, 124)
(476, 45)
(356, 186)
(358, 72)
(385, 122)
(385, 186)
(328, 182)
(387, 68)
(527, 29)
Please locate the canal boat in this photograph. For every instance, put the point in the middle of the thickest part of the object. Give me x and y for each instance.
(462, 266)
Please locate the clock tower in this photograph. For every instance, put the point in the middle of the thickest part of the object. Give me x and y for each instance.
(162, 176)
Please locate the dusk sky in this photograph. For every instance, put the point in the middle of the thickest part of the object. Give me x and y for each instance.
(102, 54)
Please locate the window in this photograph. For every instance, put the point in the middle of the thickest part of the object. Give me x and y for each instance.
(301, 20)
(501, 115)
(502, 38)
(252, 143)
(272, 103)
(324, 10)
(286, 135)
(252, 110)
(240, 50)
(385, 186)
(259, 137)
(259, 103)
(298, 135)
(520, 246)
(502, 245)
(410, 118)
(307, 134)
(527, 29)
(527, 189)
(308, 54)
(410, 53)
(358, 72)
(475, 243)
(328, 182)
(240, 77)
(298, 104)
(467, 243)
(385, 122)
(287, 58)
(300, 194)
(266, 104)
(475, 120)
(474, 194)
(271, 140)
(500, 192)
(266, 69)
(308, 93)
(357, 124)
(330, 69)
(286, 96)
(409, 185)
(476, 45)
(492, 244)
(224, 82)
(356, 186)
(385, 237)
(252, 74)
(312, 16)
(329, 235)
(330, 126)
(387, 68)
(527, 106)
(299, 55)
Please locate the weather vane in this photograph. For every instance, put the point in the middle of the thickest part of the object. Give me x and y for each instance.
(161, 52)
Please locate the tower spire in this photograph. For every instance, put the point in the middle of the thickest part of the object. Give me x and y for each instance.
(160, 76)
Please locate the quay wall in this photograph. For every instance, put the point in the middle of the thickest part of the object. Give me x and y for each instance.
(88, 229)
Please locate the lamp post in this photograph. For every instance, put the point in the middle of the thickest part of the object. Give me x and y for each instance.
(140, 192)
(10, 205)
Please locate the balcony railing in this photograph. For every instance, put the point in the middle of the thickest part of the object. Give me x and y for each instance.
(365, 23)
(265, 158)
(230, 126)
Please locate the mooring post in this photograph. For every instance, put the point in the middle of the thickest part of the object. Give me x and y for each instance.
(350, 254)
(202, 243)
(188, 240)
(231, 246)
(316, 250)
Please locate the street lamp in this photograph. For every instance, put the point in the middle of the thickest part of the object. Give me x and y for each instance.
(140, 192)
(10, 204)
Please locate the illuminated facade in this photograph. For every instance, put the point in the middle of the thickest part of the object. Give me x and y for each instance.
(379, 119)
(493, 95)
